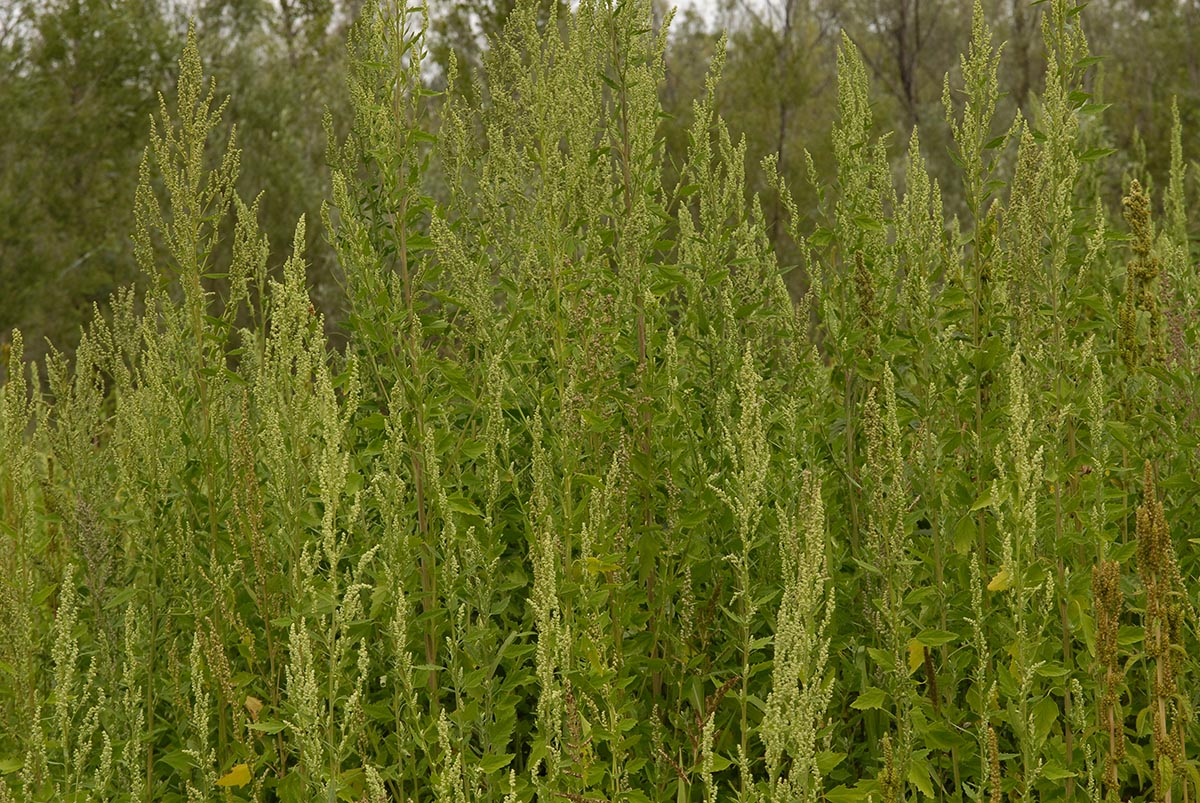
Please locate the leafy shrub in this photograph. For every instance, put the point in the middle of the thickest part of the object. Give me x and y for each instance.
(590, 509)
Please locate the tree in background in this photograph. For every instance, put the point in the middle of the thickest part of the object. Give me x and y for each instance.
(465, 28)
(283, 65)
(1150, 55)
(79, 84)
(80, 81)
(778, 76)
(908, 45)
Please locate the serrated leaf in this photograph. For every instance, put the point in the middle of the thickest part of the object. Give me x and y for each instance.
(940, 736)
(1002, 581)
(596, 423)
(596, 566)
(827, 760)
(1123, 552)
(846, 794)
(461, 504)
(821, 237)
(916, 655)
(872, 698)
(918, 776)
(881, 657)
(238, 776)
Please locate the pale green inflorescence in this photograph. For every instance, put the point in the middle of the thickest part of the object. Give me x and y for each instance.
(580, 504)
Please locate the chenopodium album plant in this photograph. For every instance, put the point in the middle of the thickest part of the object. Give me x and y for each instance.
(589, 508)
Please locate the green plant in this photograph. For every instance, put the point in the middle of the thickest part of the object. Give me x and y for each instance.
(589, 509)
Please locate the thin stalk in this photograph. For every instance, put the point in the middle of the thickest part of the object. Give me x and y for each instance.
(744, 601)
(152, 614)
(848, 407)
(1160, 707)
(977, 341)
(1068, 660)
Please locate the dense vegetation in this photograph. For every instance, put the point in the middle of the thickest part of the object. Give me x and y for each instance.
(587, 507)
(72, 68)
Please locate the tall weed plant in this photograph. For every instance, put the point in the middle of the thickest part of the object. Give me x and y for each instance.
(589, 508)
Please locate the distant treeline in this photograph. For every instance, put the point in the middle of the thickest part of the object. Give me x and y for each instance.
(79, 80)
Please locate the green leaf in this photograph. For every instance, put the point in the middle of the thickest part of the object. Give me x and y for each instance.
(984, 500)
(1123, 552)
(821, 237)
(940, 736)
(374, 421)
(846, 794)
(596, 566)
(473, 449)
(1045, 714)
(597, 424)
(868, 223)
(964, 535)
(269, 726)
(918, 776)
(1128, 635)
(178, 761)
(1094, 154)
(418, 242)
(44, 593)
(490, 763)
(1054, 669)
(827, 760)
(460, 504)
(936, 638)
(882, 657)
(872, 698)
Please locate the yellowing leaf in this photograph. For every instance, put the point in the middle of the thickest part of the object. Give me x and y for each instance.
(254, 706)
(916, 655)
(238, 776)
(1002, 581)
